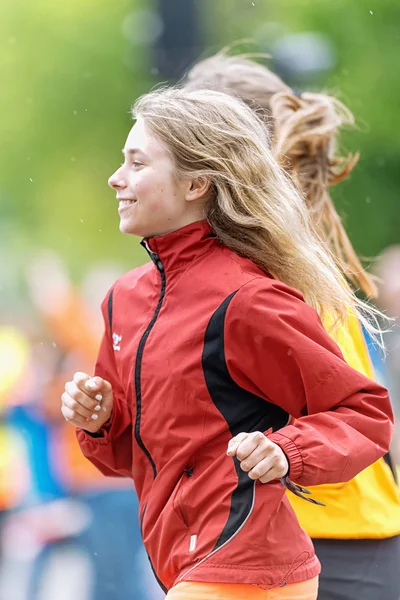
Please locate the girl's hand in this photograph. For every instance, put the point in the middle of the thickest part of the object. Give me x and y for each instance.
(87, 402)
(258, 456)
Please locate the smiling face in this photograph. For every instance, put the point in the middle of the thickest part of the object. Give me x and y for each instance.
(151, 201)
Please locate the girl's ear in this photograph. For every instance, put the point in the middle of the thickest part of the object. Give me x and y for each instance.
(198, 189)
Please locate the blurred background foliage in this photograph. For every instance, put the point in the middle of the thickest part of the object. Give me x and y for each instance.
(70, 71)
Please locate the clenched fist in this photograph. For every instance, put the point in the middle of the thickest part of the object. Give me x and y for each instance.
(87, 402)
(258, 456)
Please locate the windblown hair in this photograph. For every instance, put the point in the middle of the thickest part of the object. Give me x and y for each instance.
(304, 131)
(253, 208)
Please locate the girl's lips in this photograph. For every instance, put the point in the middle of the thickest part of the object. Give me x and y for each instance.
(125, 204)
(125, 201)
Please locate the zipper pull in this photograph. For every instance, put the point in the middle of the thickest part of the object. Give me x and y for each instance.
(154, 257)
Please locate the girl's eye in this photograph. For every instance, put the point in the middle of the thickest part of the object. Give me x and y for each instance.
(136, 164)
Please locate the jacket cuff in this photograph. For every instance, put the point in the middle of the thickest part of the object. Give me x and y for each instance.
(292, 453)
(103, 436)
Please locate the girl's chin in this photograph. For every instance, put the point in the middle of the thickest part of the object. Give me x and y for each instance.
(126, 227)
(132, 228)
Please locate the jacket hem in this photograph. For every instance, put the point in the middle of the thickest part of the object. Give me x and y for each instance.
(270, 576)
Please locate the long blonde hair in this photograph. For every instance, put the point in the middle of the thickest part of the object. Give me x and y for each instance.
(255, 209)
(304, 130)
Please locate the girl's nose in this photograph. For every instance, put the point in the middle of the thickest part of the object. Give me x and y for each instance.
(116, 181)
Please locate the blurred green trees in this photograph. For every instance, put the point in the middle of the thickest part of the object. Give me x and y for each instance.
(365, 36)
(69, 76)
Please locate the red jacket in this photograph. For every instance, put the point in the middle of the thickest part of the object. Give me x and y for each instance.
(200, 345)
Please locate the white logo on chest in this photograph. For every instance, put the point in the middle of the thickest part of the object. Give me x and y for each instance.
(116, 341)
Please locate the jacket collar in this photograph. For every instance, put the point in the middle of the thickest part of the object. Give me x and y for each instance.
(178, 248)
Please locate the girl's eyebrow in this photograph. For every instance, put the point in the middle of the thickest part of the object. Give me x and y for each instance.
(132, 151)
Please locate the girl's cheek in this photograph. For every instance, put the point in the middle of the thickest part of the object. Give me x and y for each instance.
(137, 188)
(140, 185)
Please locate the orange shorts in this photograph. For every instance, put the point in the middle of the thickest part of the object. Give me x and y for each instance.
(192, 590)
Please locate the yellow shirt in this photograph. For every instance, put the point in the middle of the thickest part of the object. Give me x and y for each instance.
(368, 506)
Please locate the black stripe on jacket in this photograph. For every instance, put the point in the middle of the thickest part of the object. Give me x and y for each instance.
(242, 410)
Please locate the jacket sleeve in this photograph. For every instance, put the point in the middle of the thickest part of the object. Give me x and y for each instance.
(276, 347)
(111, 449)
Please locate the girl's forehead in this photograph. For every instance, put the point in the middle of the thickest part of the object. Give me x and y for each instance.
(141, 140)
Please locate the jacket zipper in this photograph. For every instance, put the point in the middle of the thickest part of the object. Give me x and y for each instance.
(186, 474)
(181, 508)
(139, 356)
